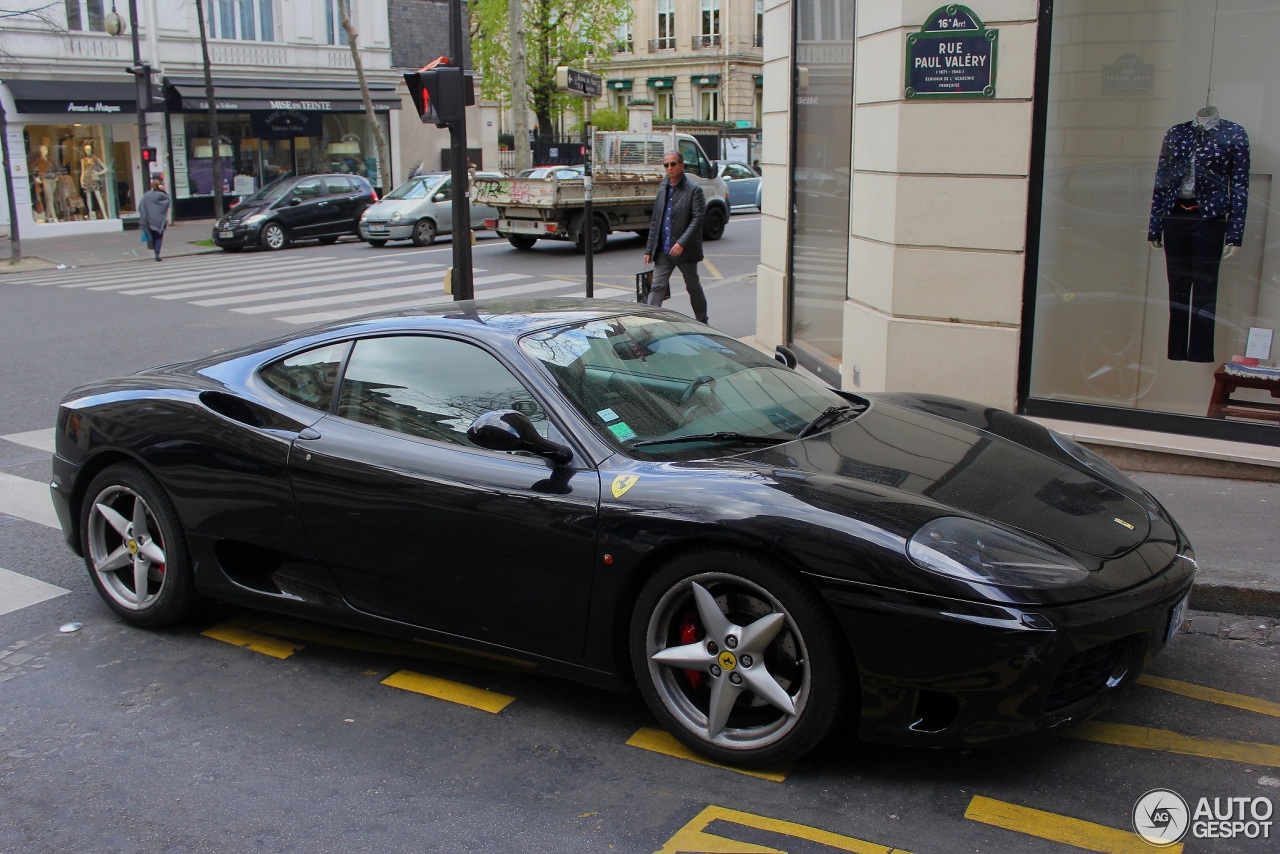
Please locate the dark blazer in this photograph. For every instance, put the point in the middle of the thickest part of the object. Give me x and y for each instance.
(688, 207)
(1221, 155)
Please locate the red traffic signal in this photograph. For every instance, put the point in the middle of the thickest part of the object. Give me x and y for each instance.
(148, 156)
(440, 92)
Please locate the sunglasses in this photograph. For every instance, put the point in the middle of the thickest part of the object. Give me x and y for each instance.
(669, 165)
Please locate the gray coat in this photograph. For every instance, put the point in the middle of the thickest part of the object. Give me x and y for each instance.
(153, 210)
(688, 207)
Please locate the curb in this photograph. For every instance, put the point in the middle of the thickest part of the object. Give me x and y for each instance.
(1229, 599)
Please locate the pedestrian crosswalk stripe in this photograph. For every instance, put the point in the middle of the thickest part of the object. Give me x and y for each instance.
(419, 274)
(187, 292)
(365, 295)
(525, 288)
(238, 275)
(85, 276)
(21, 591)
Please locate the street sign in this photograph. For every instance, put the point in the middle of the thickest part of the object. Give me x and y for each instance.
(582, 82)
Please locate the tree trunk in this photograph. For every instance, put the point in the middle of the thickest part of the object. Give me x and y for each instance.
(384, 158)
(214, 141)
(519, 85)
(15, 241)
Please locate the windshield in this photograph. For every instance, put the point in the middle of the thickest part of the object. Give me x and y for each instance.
(418, 188)
(270, 193)
(640, 379)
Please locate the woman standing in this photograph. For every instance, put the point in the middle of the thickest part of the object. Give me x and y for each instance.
(153, 213)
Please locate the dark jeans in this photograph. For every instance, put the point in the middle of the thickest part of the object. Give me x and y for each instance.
(157, 238)
(1193, 253)
(663, 266)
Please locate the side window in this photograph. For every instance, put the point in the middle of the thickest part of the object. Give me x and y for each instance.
(432, 388)
(307, 378)
(733, 170)
(309, 189)
(337, 185)
(445, 189)
(693, 160)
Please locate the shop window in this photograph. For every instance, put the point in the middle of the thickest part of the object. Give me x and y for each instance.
(247, 20)
(72, 173)
(1156, 263)
(85, 15)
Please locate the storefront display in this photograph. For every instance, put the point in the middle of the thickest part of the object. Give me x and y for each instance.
(72, 173)
(1156, 263)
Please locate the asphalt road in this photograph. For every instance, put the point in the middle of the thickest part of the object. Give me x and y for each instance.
(248, 732)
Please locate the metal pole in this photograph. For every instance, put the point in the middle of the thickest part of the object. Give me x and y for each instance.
(15, 240)
(142, 86)
(588, 222)
(463, 287)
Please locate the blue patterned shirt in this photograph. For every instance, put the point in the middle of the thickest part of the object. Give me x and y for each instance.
(1219, 156)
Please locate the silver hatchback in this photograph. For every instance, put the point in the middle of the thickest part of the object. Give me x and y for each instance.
(419, 210)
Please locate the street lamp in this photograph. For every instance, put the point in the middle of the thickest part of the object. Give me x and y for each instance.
(114, 26)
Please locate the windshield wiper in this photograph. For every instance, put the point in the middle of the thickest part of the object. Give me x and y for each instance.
(826, 418)
(719, 436)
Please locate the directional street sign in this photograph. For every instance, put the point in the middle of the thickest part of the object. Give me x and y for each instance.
(582, 82)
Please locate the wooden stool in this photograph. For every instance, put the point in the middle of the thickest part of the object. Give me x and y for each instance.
(1222, 406)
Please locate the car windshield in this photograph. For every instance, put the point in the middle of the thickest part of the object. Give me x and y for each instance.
(651, 385)
(418, 188)
(270, 193)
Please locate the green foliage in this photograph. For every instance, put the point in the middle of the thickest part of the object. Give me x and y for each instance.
(557, 32)
(608, 120)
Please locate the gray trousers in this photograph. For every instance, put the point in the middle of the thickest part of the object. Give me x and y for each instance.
(663, 266)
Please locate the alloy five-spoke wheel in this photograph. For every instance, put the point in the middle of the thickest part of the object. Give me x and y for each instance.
(738, 657)
(134, 549)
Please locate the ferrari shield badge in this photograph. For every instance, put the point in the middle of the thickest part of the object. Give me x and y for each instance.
(622, 483)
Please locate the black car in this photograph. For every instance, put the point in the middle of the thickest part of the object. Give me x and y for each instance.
(323, 207)
(624, 496)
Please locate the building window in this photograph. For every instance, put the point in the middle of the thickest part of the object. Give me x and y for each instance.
(85, 15)
(333, 13)
(666, 39)
(709, 25)
(621, 100)
(759, 32)
(246, 20)
(664, 105)
(709, 104)
(624, 39)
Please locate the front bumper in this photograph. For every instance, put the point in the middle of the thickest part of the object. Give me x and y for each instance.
(950, 673)
(237, 235)
(61, 488)
(373, 230)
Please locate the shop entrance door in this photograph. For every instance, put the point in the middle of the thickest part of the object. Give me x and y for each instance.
(277, 160)
(119, 178)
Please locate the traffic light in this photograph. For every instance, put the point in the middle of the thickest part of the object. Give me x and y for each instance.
(440, 92)
(148, 160)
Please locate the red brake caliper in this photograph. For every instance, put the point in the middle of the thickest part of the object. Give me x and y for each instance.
(689, 634)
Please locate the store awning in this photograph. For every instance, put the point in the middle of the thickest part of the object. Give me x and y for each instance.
(620, 85)
(661, 82)
(188, 95)
(73, 98)
(705, 79)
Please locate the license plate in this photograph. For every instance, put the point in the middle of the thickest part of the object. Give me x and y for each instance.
(226, 235)
(528, 225)
(1175, 619)
(377, 229)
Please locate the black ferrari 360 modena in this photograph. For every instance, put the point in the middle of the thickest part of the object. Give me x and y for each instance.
(624, 496)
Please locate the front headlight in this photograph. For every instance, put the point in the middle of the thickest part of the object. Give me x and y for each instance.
(254, 219)
(395, 217)
(984, 554)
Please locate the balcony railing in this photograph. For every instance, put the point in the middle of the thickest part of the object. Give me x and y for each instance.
(702, 42)
(668, 43)
(759, 40)
(623, 47)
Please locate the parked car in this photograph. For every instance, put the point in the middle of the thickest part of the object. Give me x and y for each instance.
(623, 496)
(742, 181)
(418, 210)
(322, 207)
(550, 172)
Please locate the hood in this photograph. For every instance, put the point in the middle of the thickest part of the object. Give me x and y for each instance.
(245, 209)
(385, 208)
(973, 472)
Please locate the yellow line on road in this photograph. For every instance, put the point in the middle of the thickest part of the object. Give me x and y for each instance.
(1146, 738)
(246, 639)
(711, 268)
(658, 741)
(1212, 695)
(453, 692)
(694, 838)
(1058, 828)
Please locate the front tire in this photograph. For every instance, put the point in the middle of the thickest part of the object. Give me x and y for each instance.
(273, 236)
(713, 227)
(738, 658)
(424, 233)
(377, 243)
(135, 548)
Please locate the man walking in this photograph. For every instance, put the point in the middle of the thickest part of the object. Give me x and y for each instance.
(675, 235)
(153, 213)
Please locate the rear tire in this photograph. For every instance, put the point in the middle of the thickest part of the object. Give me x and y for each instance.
(521, 241)
(713, 227)
(377, 243)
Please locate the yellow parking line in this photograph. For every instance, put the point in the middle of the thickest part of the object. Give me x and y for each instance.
(1212, 695)
(658, 741)
(694, 838)
(453, 692)
(246, 639)
(711, 268)
(1058, 828)
(1146, 738)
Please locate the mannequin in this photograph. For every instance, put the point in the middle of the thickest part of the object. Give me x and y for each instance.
(92, 170)
(45, 180)
(1198, 208)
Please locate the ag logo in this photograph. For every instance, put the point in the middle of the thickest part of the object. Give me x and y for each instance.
(1161, 817)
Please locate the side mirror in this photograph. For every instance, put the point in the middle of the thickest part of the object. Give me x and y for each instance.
(785, 356)
(508, 430)
(440, 197)
(295, 201)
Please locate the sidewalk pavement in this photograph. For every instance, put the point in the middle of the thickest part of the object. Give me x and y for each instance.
(1234, 524)
(91, 249)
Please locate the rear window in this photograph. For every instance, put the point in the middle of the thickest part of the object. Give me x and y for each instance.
(338, 186)
(307, 378)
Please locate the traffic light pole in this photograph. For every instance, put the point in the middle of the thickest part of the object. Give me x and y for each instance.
(142, 81)
(463, 286)
(588, 218)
